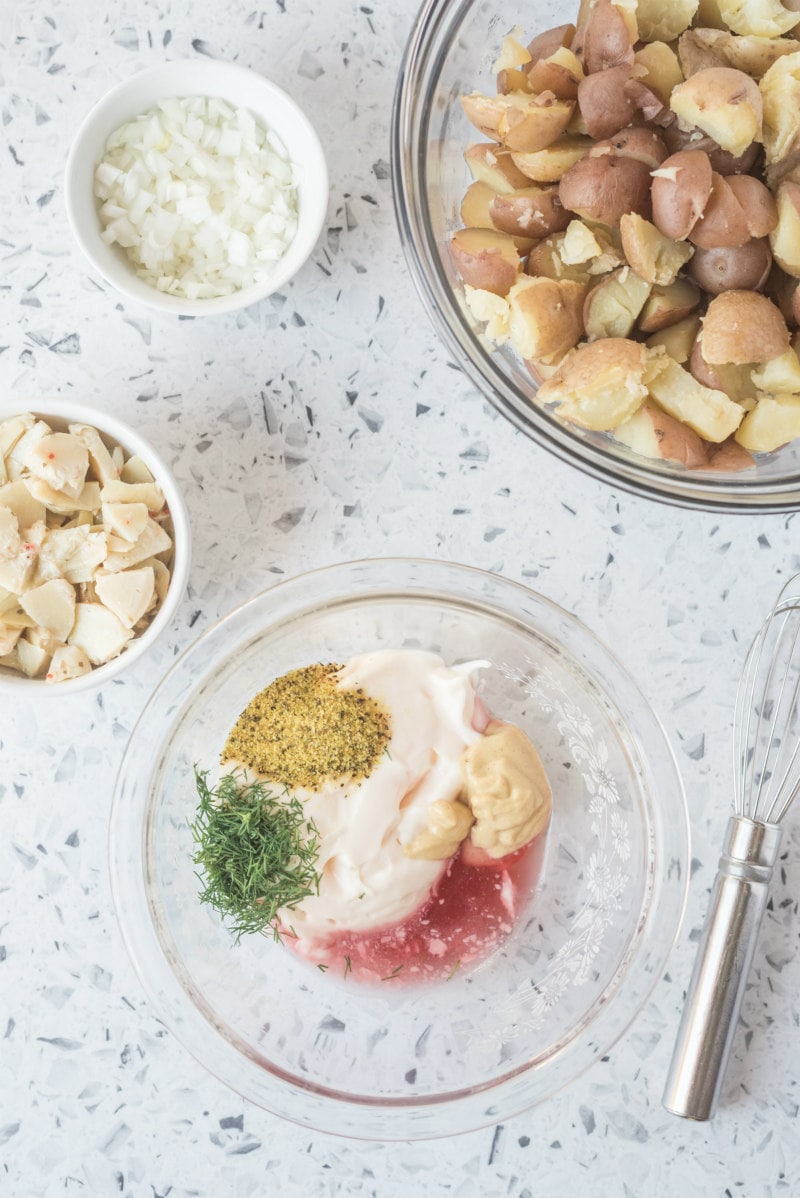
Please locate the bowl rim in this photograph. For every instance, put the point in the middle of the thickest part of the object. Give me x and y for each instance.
(313, 1105)
(313, 188)
(412, 110)
(112, 427)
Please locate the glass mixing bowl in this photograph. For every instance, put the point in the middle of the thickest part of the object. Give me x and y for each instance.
(388, 1061)
(450, 52)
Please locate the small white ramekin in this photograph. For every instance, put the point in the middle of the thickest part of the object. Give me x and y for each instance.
(59, 413)
(242, 88)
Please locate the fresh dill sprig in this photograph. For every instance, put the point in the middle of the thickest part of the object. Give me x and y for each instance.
(397, 969)
(257, 851)
(347, 966)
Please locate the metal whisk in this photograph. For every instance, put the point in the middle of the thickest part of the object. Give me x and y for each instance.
(766, 767)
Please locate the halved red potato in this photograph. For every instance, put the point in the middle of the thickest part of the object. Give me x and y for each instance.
(744, 267)
(604, 102)
(723, 102)
(653, 433)
(742, 327)
(552, 163)
(722, 221)
(604, 189)
(606, 38)
(486, 259)
(490, 163)
(611, 308)
(545, 317)
(667, 305)
(681, 187)
(533, 212)
(600, 385)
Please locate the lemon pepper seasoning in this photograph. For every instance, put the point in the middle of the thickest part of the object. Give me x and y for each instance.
(304, 730)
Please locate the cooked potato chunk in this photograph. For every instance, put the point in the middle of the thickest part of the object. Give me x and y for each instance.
(486, 259)
(677, 339)
(724, 103)
(753, 55)
(654, 257)
(667, 305)
(761, 18)
(780, 95)
(545, 317)
(604, 189)
(491, 309)
(682, 185)
(785, 237)
(612, 307)
(489, 163)
(743, 327)
(532, 212)
(780, 376)
(773, 422)
(743, 268)
(69, 661)
(657, 65)
(552, 163)
(600, 385)
(662, 22)
(710, 413)
(654, 434)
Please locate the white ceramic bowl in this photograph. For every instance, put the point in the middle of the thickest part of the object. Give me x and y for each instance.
(59, 413)
(194, 77)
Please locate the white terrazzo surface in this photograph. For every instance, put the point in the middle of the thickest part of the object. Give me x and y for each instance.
(323, 425)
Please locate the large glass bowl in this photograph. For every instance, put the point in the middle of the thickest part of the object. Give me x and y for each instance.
(388, 1061)
(450, 52)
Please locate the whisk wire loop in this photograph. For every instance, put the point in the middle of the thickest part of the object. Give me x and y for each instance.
(767, 716)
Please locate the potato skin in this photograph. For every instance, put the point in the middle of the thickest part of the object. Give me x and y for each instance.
(680, 192)
(741, 327)
(724, 103)
(600, 385)
(490, 163)
(732, 268)
(559, 77)
(486, 259)
(722, 221)
(604, 189)
(653, 433)
(606, 40)
(534, 212)
(545, 317)
(668, 305)
(722, 161)
(758, 205)
(546, 43)
(632, 142)
(605, 105)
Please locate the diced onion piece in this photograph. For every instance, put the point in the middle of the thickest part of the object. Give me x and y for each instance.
(200, 195)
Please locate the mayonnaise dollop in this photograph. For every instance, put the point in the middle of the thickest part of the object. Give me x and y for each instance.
(367, 880)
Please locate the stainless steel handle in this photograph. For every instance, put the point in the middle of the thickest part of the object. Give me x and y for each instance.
(719, 978)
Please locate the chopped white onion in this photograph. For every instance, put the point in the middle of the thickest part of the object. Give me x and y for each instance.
(201, 196)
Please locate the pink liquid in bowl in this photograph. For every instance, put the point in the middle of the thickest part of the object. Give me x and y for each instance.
(471, 910)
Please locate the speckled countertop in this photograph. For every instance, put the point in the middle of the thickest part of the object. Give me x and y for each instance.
(326, 424)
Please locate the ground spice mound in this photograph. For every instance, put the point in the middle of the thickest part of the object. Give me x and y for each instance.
(303, 729)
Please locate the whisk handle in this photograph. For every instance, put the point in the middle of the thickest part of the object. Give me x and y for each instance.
(719, 978)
